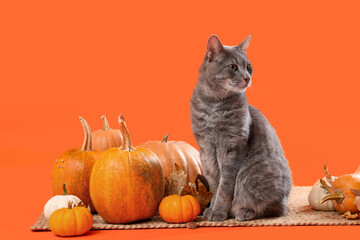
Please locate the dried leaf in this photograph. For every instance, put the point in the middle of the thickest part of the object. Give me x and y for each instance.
(176, 179)
(202, 195)
(191, 225)
(350, 216)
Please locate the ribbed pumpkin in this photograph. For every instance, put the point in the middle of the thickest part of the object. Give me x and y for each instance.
(73, 167)
(179, 152)
(179, 209)
(106, 138)
(70, 221)
(127, 183)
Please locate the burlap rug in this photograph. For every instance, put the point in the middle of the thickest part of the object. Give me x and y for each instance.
(300, 214)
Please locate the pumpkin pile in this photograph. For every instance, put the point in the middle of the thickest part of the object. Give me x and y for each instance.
(341, 194)
(123, 183)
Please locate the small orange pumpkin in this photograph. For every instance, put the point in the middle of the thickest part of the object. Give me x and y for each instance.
(343, 191)
(106, 138)
(127, 183)
(179, 209)
(73, 167)
(176, 152)
(71, 221)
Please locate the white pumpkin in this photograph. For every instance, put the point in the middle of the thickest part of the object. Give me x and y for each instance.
(61, 201)
(316, 194)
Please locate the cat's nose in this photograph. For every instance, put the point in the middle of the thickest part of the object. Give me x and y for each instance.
(247, 80)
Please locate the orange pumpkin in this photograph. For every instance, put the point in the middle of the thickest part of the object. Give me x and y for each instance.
(343, 191)
(106, 138)
(176, 152)
(179, 209)
(71, 221)
(73, 167)
(127, 183)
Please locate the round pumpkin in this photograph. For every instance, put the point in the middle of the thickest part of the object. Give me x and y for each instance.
(106, 138)
(73, 167)
(316, 194)
(71, 221)
(179, 209)
(60, 201)
(176, 152)
(127, 183)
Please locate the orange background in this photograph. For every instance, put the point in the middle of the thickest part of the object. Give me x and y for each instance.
(63, 59)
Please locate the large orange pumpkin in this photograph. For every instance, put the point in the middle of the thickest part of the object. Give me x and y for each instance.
(73, 167)
(106, 138)
(127, 183)
(179, 152)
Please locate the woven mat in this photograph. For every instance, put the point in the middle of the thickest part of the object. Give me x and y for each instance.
(300, 214)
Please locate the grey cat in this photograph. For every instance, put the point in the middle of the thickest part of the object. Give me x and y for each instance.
(241, 155)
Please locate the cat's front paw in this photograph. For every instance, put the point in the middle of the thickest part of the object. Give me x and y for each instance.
(216, 216)
(244, 214)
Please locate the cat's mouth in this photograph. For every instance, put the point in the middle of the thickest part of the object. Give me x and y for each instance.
(242, 84)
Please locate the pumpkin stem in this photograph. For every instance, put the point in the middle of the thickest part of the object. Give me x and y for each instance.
(165, 139)
(325, 185)
(127, 145)
(106, 124)
(180, 190)
(327, 175)
(87, 144)
(64, 188)
(337, 196)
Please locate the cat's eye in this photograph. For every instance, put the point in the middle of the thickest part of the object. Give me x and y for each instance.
(249, 69)
(233, 67)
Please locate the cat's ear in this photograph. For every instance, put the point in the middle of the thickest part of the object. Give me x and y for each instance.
(245, 44)
(214, 47)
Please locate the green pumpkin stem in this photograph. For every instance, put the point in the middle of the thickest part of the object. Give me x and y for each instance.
(180, 190)
(87, 144)
(165, 139)
(106, 124)
(64, 188)
(337, 196)
(127, 144)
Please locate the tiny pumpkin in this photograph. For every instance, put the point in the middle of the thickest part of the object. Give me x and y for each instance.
(179, 209)
(106, 138)
(60, 201)
(316, 194)
(127, 183)
(176, 152)
(343, 191)
(71, 221)
(74, 167)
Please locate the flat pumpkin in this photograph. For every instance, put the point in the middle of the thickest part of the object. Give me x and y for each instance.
(106, 138)
(127, 183)
(61, 201)
(70, 221)
(176, 152)
(73, 167)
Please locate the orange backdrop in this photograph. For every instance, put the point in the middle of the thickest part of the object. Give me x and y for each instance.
(62, 59)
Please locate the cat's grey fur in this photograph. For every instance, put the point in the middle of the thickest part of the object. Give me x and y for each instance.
(241, 155)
